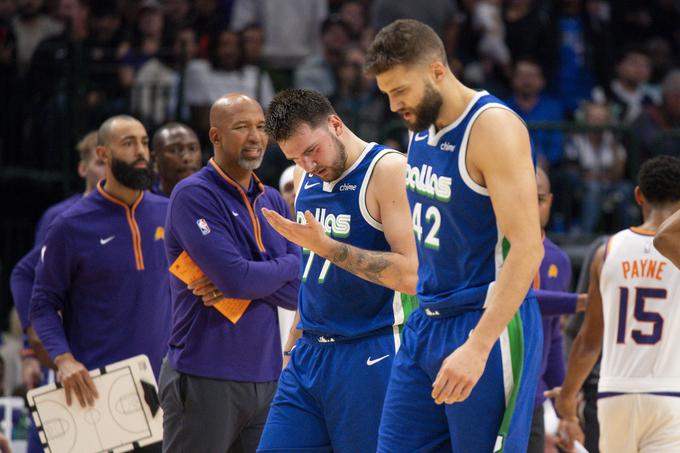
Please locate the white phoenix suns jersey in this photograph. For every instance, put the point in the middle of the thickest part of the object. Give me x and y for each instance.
(641, 305)
(333, 301)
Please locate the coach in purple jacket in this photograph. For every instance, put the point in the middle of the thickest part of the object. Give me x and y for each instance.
(220, 377)
(102, 293)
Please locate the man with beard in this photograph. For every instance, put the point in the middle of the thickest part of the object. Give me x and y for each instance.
(352, 220)
(103, 266)
(465, 376)
(176, 153)
(221, 371)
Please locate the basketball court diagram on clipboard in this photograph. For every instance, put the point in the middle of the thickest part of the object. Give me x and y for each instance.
(126, 415)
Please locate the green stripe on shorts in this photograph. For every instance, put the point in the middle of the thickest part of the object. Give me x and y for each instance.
(516, 341)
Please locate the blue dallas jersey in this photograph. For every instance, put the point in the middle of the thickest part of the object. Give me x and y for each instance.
(334, 302)
(460, 248)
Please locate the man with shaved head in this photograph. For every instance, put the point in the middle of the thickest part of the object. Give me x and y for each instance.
(176, 153)
(103, 266)
(221, 371)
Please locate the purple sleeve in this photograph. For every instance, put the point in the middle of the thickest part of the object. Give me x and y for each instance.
(287, 296)
(555, 302)
(21, 284)
(52, 282)
(554, 371)
(217, 254)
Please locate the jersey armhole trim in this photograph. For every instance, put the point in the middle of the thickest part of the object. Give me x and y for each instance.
(368, 218)
(462, 153)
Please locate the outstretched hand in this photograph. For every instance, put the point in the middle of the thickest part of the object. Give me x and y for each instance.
(310, 235)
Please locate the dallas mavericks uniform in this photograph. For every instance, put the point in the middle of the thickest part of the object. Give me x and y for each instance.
(639, 388)
(460, 252)
(330, 396)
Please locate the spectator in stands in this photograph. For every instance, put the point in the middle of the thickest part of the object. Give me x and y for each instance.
(601, 163)
(252, 41)
(531, 103)
(438, 14)
(291, 33)
(225, 72)
(10, 101)
(178, 14)
(630, 90)
(159, 88)
(357, 101)
(318, 72)
(104, 48)
(208, 22)
(59, 84)
(528, 33)
(353, 14)
(30, 27)
(584, 49)
(656, 128)
(146, 42)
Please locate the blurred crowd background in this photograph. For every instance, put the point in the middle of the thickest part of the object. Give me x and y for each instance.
(598, 83)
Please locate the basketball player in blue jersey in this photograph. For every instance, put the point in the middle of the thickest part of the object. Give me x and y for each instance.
(358, 254)
(465, 376)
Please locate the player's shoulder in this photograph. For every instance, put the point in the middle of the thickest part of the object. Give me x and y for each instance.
(194, 186)
(388, 159)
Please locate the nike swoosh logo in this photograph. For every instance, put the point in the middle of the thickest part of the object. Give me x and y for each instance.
(235, 213)
(419, 137)
(104, 241)
(370, 362)
(308, 185)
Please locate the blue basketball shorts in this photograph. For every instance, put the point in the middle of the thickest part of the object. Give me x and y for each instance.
(497, 415)
(330, 396)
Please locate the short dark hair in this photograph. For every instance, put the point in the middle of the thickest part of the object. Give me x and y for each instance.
(403, 42)
(104, 131)
(659, 179)
(292, 107)
(156, 140)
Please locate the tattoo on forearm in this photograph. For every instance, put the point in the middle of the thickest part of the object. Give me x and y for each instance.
(366, 264)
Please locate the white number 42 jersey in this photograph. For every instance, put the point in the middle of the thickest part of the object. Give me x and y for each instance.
(641, 305)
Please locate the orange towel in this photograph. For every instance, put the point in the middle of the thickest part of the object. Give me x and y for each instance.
(188, 271)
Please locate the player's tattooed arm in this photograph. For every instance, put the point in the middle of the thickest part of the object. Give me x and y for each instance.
(369, 265)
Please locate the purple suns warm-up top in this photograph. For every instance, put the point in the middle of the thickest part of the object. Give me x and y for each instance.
(103, 266)
(220, 225)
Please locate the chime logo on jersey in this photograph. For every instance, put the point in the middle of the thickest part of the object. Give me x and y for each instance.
(426, 182)
(336, 225)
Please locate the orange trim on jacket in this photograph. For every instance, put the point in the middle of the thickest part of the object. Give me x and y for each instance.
(251, 208)
(134, 228)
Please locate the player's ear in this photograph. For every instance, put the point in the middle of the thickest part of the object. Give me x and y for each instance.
(639, 197)
(104, 153)
(437, 70)
(214, 135)
(335, 124)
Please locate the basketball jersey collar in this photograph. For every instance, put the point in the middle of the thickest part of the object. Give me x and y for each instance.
(433, 136)
(329, 186)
